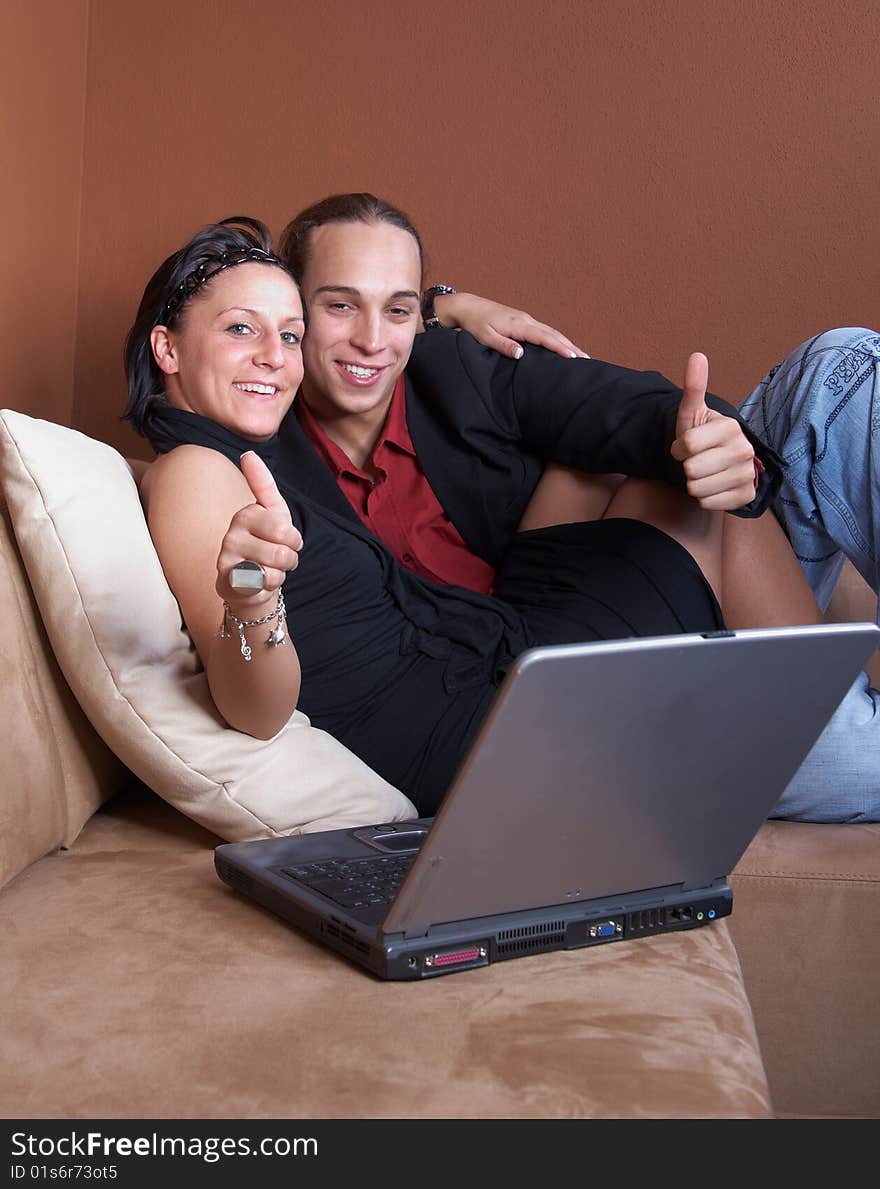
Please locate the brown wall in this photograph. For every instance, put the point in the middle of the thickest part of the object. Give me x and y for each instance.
(42, 99)
(653, 177)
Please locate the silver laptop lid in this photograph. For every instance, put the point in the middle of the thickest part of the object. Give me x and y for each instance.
(609, 768)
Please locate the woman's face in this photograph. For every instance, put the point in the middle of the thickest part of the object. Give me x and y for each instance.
(236, 356)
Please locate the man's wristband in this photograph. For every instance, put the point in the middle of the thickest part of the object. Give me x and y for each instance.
(429, 317)
(759, 471)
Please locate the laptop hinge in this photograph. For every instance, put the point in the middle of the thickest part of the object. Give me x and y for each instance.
(704, 884)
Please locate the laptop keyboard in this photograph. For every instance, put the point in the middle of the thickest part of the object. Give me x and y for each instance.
(354, 883)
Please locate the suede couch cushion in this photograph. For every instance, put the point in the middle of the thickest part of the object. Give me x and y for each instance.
(116, 631)
(153, 990)
(806, 906)
(56, 771)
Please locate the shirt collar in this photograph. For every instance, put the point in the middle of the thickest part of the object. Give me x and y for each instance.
(331, 454)
(394, 432)
(395, 429)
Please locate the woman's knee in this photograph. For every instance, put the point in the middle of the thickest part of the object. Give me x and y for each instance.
(565, 495)
(673, 512)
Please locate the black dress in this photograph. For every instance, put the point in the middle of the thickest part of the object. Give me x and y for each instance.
(402, 670)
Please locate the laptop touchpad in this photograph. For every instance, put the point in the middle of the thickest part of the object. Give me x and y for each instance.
(391, 840)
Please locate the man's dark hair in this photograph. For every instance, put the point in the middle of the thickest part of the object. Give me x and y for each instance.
(293, 246)
(176, 282)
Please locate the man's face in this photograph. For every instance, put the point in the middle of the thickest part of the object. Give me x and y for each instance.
(361, 289)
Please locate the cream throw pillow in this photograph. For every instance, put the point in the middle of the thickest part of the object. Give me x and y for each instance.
(116, 630)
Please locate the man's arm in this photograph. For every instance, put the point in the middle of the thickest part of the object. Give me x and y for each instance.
(602, 418)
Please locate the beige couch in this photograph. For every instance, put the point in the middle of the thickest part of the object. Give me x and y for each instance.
(806, 905)
(136, 985)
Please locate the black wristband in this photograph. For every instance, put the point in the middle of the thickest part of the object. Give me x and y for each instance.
(429, 318)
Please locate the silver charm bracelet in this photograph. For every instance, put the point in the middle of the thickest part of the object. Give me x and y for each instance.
(276, 635)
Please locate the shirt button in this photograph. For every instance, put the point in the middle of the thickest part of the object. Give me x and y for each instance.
(408, 559)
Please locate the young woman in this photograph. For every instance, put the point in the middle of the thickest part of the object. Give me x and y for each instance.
(401, 669)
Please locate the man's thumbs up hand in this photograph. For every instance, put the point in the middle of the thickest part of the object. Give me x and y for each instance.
(716, 456)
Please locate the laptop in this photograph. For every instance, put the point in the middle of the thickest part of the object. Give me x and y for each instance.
(607, 796)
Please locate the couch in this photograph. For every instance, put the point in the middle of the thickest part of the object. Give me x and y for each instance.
(136, 985)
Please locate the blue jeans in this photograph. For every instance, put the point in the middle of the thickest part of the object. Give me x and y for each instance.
(820, 410)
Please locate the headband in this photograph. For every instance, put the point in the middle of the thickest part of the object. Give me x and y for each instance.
(209, 269)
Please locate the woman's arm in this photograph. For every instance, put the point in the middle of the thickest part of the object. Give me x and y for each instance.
(499, 326)
(205, 516)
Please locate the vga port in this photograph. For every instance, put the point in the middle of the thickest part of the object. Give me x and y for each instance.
(603, 930)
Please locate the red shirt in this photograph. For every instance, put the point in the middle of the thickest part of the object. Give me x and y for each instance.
(398, 505)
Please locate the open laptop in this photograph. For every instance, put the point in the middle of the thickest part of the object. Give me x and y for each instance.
(609, 793)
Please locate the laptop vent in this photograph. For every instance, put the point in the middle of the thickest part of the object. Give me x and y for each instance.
(353, 942)
(530, 945)
(532, 930)
(530, 939)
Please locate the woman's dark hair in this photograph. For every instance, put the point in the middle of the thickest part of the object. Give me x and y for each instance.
(293, 246)
(237, 240)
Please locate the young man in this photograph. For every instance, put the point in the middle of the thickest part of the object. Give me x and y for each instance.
(443, 450)
(481, 428)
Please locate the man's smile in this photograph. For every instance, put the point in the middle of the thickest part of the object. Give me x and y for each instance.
(358, 373)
